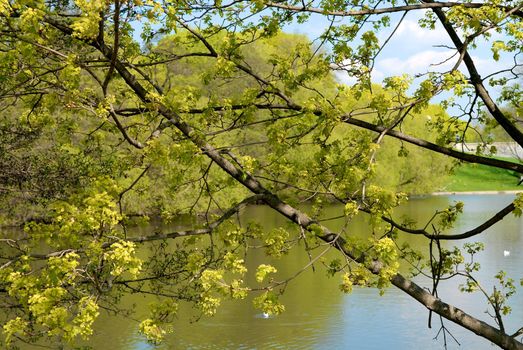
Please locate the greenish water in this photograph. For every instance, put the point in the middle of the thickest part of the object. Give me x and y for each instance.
(319, 316)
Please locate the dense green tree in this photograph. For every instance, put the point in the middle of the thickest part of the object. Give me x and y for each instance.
(212, 108)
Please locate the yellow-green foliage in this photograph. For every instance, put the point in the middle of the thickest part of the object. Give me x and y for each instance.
(98, 128)
(268, 303)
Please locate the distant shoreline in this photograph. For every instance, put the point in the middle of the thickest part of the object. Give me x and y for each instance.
(450, 193)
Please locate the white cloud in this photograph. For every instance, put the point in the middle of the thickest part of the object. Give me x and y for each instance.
(415, 50)
(435, 61)
(344, 78)
(410, 29)
(409, 37)
(421, 62)
(377, 75)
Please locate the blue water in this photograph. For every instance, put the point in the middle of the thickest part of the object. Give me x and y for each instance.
(319, 316)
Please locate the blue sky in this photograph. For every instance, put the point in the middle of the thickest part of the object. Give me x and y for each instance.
(413, 49)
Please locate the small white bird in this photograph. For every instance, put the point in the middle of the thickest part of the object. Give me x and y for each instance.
(506, 253)
(265, 315)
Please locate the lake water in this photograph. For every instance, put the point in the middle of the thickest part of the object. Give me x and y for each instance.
(319, 316)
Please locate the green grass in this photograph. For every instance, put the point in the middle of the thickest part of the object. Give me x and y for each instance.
(478, 177)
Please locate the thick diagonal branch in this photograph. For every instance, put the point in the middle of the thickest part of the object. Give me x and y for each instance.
(450, 312)
(471, 158)
(476, 81)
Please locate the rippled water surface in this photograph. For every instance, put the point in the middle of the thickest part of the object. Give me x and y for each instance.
(319, 316)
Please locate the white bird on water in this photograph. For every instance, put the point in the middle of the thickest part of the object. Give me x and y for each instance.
(265, 315)
(506, 253)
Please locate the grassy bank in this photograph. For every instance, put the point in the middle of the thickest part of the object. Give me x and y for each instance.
(478, 177)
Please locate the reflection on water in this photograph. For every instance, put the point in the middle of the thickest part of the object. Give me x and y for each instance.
(319, 316)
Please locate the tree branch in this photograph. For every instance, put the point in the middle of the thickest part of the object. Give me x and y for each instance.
(476, 80)
(379, 11)
(454, 314)
(475, 231)
(230, 212)
(130, 140)
(471, 158)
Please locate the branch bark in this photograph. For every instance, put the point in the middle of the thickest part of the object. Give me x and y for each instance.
(426, 299)
(384, 10)
(476, 80)
(471, 158)
(471, 233)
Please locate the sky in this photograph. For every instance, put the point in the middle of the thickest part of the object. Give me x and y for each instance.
(413, 49)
